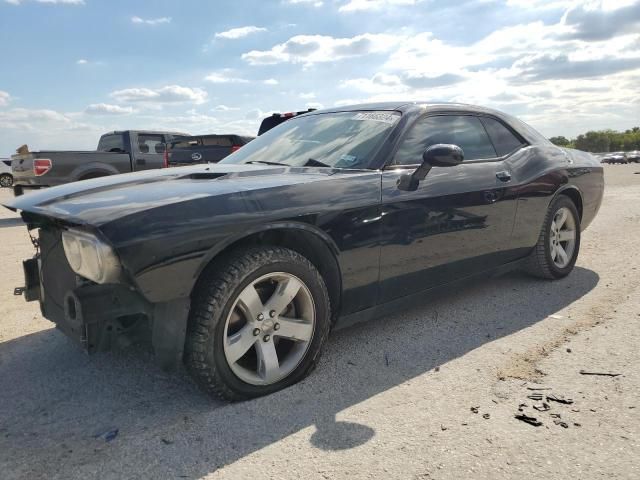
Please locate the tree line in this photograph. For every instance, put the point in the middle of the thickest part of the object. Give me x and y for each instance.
(602, 141)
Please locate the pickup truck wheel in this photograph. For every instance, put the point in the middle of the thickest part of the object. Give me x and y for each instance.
(258, 322)
(558, 245)
(6, 180)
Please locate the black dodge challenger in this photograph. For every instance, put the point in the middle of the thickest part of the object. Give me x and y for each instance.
(241, 269)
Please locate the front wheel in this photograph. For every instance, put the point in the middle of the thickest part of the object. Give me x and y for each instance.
(258, 322)
(558, 245)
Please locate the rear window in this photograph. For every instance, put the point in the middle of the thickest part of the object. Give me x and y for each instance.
(113, 142)
(217, 141)
(150, 143)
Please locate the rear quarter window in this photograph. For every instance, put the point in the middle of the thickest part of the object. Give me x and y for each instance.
(503, 139)
(111, 143)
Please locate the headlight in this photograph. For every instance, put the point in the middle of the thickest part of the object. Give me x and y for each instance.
(90, 257)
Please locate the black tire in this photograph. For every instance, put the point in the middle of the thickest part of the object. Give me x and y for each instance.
(540, 263)
(6, 180)
(214, 296)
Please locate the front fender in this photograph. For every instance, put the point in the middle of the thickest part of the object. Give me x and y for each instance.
(175, 277)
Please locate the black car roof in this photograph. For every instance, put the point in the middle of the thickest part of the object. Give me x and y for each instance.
(529, 133)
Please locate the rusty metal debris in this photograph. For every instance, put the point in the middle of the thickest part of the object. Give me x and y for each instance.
(601, 374)
(559, 399)
(530, 420)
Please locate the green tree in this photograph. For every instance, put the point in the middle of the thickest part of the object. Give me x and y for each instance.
(560, 141)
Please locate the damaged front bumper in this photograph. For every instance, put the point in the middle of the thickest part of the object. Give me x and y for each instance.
(101, 317)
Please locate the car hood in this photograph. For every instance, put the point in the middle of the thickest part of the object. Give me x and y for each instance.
(102, 200)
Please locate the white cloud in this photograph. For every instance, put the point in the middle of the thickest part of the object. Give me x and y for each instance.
(271, 81)
(239, 32)
(5, 98)
(164, 95)
(225, 75)
(361, 5)
(150, 21)
(82, 61)
(108, 109)
(309, 49)
(307, 95)
(223, 108)
(51, 2)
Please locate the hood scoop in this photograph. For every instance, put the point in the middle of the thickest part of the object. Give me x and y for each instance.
(204, 175)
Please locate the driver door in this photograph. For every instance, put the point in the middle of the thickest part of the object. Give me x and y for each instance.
(459, 220)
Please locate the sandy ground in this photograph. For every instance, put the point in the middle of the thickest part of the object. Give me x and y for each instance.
(394, 398)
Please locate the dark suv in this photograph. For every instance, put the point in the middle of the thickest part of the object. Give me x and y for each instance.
(202, 149)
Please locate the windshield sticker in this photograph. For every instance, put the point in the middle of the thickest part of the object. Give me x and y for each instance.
(383, 117)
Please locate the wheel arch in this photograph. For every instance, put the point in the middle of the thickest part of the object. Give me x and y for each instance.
(574, 194)
(309, 241)
(93, 170)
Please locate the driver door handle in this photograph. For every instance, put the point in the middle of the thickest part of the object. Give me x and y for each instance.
(503, 176)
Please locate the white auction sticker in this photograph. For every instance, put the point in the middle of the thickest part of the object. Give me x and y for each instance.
(383, 117)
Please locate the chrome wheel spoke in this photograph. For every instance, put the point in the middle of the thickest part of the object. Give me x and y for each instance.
(268, 363)
(286, 291)
(554, 253)
(566, 235)
(250, 301)
(562, 255)
(561, 218)
(294, 329)
(239, 343)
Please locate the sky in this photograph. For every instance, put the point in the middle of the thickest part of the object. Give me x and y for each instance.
(71, 70)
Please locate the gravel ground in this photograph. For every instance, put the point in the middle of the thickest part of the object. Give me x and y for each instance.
(394, 398)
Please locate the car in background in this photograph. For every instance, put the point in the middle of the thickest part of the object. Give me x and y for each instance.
(615, 157)
(6, 177)
(276, 119)
(117, 152)
(634, 156)
(202, 149)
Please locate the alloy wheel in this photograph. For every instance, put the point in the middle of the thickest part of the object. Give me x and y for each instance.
(563, 237)
(269, 328)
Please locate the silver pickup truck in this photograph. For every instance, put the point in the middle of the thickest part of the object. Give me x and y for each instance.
(117, 152)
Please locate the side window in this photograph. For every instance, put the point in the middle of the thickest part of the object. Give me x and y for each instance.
(150, 143)
(503, 139)
(463, 130)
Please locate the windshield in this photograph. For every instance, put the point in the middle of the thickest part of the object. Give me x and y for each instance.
(339, 140)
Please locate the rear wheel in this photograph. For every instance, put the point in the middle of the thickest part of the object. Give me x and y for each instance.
(258, 323)
(6, 180)
(558, 245)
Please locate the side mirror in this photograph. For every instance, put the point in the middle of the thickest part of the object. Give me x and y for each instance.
(443, 155)
(439, 155)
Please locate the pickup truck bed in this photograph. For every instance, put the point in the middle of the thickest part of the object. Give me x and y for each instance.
(117, 152)
(66, 166)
